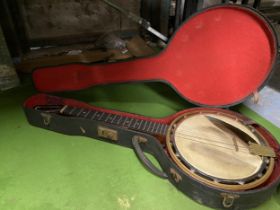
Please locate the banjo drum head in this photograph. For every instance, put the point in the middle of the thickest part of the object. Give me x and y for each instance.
(214, 154)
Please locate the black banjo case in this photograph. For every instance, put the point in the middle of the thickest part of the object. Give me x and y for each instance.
(218, 58)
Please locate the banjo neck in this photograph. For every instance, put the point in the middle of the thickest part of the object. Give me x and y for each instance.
(132, 123)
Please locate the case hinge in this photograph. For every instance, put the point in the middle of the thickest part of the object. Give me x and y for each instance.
(46, 118)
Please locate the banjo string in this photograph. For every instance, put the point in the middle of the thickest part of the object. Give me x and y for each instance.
(208, 139)
(217, 145)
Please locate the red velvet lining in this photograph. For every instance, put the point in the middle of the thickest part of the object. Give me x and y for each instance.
(216, 58)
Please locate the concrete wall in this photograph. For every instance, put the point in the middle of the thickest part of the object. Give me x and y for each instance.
(52, 19)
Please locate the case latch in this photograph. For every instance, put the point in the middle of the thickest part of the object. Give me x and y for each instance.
(46, 118)
(107, 133)
(228, 199)
(177, 178)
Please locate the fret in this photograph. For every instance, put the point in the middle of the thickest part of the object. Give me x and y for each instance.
(161, 127)
(103, 116)
(73, 108)
(154, 124)
(67, 111)
(98, 114)
(127, 122)
(130, 122)
(119, 120)
(124, 121)
(152, 127)
(108, 117)
(75, 112)
(94, 114)
(157, 127)
(139, 127)
(64, 109)
(165, 129)
(144, 125)
(113, 118)
(149, 126)
(135, 123)
(89, 114)
(81, 110)
(89, 111)
(84, 112)
(100, 117)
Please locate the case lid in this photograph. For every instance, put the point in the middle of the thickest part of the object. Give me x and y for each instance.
(232, 51)
(218, 57)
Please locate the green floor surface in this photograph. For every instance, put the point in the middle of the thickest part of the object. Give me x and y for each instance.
(43, 170)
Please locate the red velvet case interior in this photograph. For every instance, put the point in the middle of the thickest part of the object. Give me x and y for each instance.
(218, 57)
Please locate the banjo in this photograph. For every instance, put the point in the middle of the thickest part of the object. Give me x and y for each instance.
(214, 146)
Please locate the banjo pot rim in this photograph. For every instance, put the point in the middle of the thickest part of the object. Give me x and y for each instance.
(208, 179)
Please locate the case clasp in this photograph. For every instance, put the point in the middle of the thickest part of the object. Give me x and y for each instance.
(107, 133)
(228, 199)
(175, 175)
(46, 118)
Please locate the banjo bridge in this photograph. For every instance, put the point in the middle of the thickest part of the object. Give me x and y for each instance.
(261, 150)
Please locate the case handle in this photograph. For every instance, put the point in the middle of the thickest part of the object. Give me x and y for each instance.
(136, 140)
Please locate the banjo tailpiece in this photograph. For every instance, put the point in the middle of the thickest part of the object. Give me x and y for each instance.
(261, 150)
(255, 149)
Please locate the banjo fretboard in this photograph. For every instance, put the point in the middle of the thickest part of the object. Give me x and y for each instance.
(132, 123)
